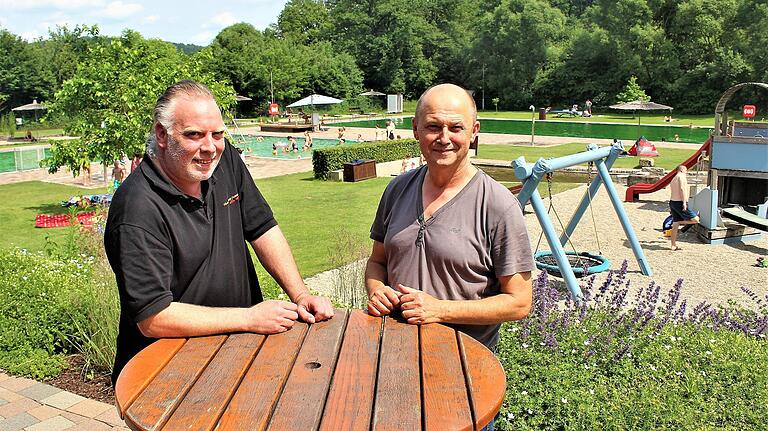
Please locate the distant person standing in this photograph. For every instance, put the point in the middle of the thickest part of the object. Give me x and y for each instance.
(118, 174)
(678, 204)
(588, 107)
(390, 129)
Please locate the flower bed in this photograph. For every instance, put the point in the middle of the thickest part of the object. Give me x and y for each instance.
(650, 364)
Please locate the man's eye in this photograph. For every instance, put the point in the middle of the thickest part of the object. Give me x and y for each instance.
(434, 128)
(193, 135)
(217, 135)
(456, 129)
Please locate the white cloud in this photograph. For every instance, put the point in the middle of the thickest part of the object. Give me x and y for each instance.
(203, 38)
(30, 36)
(118, 10)
(48, 4)
(223, 19)
(151, 19)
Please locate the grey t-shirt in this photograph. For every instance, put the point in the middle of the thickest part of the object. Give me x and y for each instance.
(458, 253)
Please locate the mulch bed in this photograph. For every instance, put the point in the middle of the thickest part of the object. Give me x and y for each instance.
(73, 380)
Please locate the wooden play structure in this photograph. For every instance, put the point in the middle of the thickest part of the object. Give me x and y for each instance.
(734, 205)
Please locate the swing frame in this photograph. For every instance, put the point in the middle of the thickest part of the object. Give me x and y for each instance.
(532, 174)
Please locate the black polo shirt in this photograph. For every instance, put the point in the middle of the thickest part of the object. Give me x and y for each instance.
(165, 246)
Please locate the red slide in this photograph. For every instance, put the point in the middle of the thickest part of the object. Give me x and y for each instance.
(633, 192)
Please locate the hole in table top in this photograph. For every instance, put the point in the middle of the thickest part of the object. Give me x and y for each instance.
(312, 365)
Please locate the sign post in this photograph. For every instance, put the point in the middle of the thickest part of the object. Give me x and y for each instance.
(748, 111)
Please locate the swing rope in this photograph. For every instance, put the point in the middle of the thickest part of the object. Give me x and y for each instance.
(562, 227)
(591, 212)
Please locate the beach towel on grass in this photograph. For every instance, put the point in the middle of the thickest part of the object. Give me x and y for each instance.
(62, 220)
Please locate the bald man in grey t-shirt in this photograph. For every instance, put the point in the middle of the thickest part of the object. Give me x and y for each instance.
(450, 244)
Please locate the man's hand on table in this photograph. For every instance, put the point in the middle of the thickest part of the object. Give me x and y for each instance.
(313, 308)
(418, 307)
(271, 317)
(383, 301)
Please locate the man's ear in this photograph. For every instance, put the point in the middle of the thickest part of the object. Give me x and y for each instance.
(415, 128)
(161, 134)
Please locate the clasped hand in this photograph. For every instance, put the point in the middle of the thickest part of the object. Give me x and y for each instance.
(416, 307)
(272, 317)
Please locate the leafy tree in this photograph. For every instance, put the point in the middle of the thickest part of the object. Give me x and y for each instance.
(632, 92)
(23, 72)
(392, 41)
(111, 96)
(519, 41)
(305, 22)
(64, 49)
(251, 59)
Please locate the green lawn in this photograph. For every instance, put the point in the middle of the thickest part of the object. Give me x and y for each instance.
(20, 202)
(313, 214)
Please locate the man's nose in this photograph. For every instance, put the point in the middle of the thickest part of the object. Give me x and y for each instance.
(208, 144)
(444, 135)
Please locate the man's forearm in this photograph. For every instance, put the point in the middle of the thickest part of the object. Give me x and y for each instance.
(187, 320)
(487, 311)
(375, 276)
(274, 253)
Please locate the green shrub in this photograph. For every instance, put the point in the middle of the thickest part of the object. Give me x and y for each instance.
(329, 159)
(35, 310)
(652, 365)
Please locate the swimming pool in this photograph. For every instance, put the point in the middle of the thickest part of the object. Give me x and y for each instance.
(627, 132)
(253, 147)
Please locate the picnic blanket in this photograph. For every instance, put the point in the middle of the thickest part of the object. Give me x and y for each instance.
(62, 220)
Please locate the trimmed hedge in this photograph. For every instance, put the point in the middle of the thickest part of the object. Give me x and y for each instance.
(329, 159)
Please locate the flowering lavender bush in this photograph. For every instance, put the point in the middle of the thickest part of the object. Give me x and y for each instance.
(649, 362)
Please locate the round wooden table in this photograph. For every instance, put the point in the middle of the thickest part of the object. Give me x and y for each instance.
(352, 372)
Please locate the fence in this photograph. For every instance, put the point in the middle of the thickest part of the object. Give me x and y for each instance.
(22, 158)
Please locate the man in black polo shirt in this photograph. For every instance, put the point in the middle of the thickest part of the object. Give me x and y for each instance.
(178, 231)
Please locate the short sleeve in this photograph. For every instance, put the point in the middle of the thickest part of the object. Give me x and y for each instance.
(510, 247)
(142, 264)
(379, 226)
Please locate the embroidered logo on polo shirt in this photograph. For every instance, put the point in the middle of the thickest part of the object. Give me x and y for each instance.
(232, 199)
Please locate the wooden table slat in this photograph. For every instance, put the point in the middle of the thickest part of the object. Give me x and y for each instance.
(351, 396)
(258, 393)
(443, 382)
(303, 398)
(206, 400)
(135, 378)
(153, 406)
(398, 397)
(486, 379)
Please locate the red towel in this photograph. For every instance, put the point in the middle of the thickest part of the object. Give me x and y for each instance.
(62, 220)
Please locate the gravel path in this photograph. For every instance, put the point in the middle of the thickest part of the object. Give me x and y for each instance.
(712, 273)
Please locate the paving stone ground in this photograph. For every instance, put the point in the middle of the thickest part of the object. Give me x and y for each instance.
(29, 405)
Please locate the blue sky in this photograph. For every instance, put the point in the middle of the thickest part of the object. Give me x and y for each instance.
(192, 21)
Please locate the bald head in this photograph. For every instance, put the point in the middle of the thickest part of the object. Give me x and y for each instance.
(446, 94)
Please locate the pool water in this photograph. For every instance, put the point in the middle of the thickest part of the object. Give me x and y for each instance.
(627, 132)
(252, 147)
